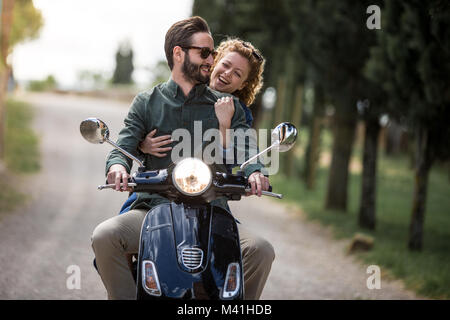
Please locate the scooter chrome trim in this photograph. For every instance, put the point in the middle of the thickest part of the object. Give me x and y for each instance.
(233, 271)
(192, 258)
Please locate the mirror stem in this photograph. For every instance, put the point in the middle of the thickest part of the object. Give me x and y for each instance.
(129, 155)
(246, 163)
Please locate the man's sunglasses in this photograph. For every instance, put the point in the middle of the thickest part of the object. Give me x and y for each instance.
(204, 51)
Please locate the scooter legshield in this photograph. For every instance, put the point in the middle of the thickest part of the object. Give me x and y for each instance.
(191, 247)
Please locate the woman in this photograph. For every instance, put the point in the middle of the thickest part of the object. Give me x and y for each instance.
(237, 70)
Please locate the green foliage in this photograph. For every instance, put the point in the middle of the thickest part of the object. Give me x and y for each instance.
(88, 79)
(412, 63)
(21, 143)
(160, 72)
(124, 64)
(21, 153)
(335, 44)
(428, 272)
(48, 83)
(27, 22)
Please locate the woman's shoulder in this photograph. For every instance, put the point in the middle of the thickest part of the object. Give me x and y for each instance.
(248, 113)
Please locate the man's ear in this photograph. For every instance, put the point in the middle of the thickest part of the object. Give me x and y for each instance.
(178, 54)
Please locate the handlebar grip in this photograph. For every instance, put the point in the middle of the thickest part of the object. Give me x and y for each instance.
(269, 190)
(112, 186)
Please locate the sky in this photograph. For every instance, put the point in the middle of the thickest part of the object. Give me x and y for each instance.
(83, 35)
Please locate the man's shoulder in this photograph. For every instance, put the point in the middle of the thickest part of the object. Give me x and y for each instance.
(143, 97)
(146, 94)
(215, 94)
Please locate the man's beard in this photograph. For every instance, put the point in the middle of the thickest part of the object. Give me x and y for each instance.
(192, 72)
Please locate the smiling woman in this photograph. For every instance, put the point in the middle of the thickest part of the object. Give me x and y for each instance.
(230, 72)
(238, 70)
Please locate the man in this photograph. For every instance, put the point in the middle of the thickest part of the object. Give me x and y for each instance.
(177, 103)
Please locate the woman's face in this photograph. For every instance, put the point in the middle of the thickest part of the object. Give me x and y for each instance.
(230, 73)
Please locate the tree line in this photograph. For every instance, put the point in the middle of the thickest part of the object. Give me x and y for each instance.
(400, 70)
(19, 21)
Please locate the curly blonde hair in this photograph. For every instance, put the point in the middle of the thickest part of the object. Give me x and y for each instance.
(254, 81)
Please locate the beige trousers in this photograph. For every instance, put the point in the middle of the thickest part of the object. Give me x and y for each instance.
(116, 237)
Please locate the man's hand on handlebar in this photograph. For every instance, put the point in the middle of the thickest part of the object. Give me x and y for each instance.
(258, 183)
(118, 173)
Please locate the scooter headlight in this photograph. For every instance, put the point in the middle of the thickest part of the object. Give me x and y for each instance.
(191, 177)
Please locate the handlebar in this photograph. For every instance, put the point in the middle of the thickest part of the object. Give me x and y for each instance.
(113, 186)
(267, 193)
(132, 184)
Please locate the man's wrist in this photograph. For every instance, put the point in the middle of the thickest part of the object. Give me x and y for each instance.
(117, 161)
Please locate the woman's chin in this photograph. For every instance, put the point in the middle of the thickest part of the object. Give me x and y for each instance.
(218, 86)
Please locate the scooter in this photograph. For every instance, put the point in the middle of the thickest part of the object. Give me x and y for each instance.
(188, 248)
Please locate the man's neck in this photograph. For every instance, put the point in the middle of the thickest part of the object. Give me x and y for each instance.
(185, 85)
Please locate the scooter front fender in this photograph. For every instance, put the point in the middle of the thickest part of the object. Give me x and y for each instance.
(191, 247)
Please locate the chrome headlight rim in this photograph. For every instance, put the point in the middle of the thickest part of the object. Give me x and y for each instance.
(180, 189)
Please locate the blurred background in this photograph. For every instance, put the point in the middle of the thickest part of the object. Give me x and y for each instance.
(366, 83)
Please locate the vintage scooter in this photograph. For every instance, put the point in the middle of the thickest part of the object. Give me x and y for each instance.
(188, 248)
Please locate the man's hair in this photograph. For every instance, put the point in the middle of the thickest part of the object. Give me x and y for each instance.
(180, 34)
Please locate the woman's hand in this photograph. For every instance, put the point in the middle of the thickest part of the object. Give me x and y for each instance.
(153, 146)
(224, 108)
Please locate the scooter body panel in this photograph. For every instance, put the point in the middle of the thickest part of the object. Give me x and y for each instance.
(191, 247)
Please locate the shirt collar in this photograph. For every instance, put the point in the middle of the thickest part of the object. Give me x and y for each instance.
(175, 90)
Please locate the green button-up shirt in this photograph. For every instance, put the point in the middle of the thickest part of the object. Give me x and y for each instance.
(166, 108)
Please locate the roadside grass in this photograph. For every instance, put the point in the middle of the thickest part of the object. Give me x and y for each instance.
(21, 153)
(22, 144)
(427, 272)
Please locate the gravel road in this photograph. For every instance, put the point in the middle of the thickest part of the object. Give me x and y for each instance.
(49, 236)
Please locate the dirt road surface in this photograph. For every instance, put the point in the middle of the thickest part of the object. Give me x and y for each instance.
(46, 242)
